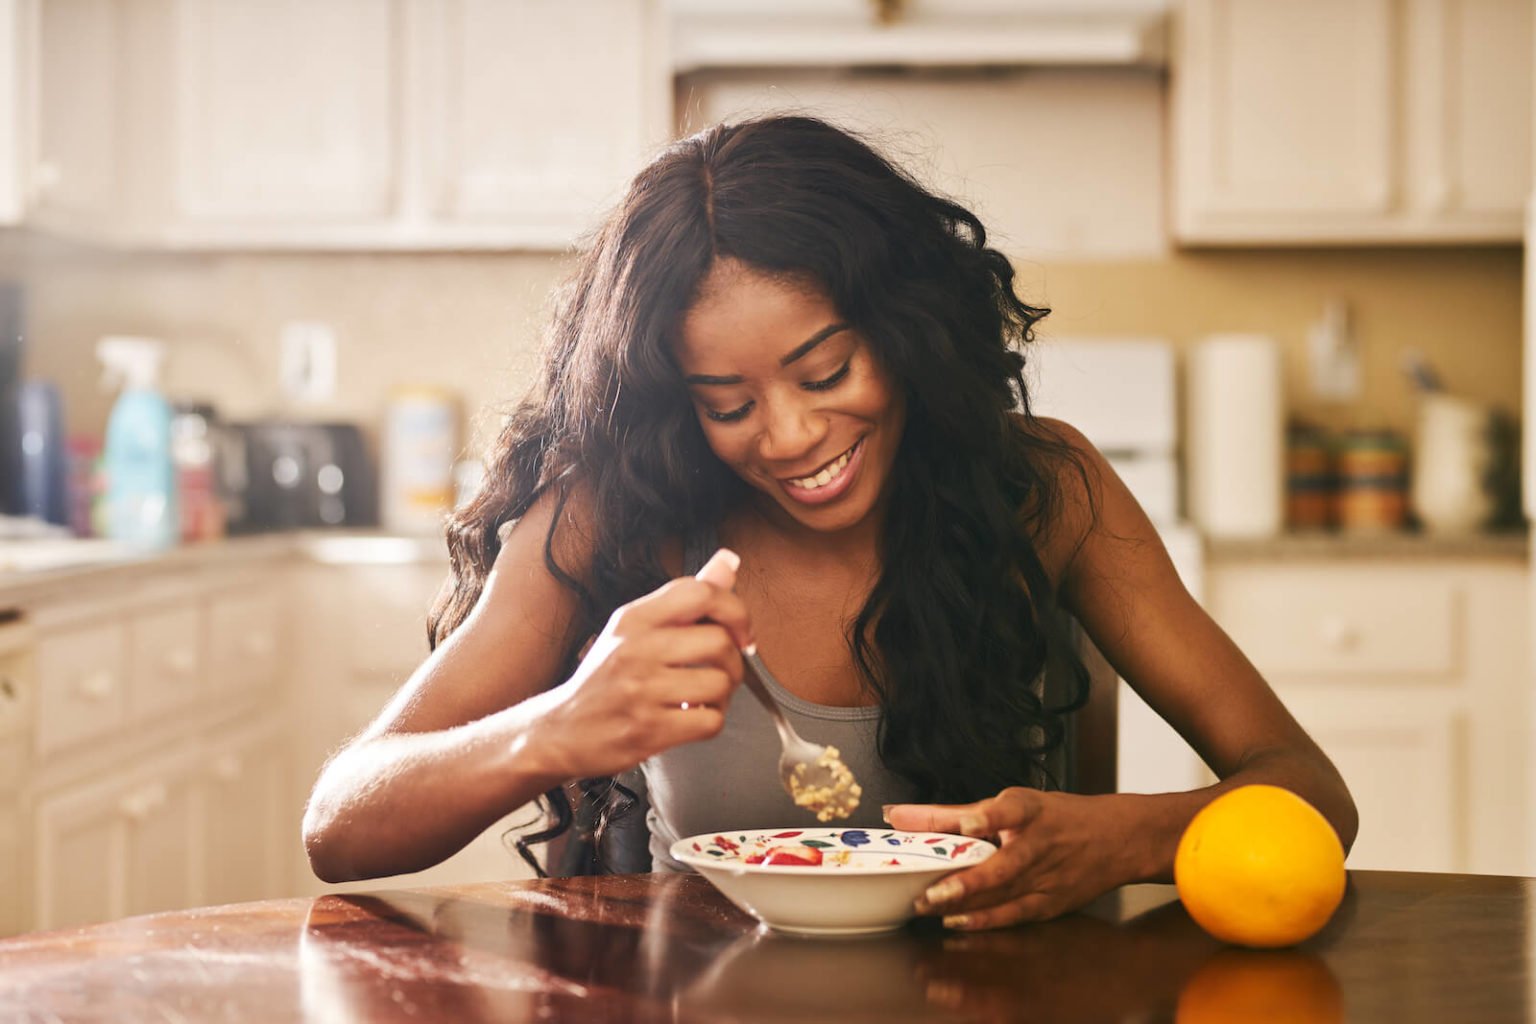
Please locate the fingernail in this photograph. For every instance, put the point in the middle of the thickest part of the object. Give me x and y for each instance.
(921, 906)
(885, 812)
(972, 825)
(943, 892)
(724, 562)
(957, 921)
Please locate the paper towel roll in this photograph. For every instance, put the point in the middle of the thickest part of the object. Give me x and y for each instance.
(1236, 437)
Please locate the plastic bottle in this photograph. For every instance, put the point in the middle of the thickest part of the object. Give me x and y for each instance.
(43, 457)
(421, 441)
(136, 456)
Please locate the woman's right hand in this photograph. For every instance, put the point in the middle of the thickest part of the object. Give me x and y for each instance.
(659, 674)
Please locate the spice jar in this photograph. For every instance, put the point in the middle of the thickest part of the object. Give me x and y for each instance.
(1372, 468)
(1309, 479)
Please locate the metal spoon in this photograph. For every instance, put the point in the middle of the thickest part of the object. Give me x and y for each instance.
(813, 775)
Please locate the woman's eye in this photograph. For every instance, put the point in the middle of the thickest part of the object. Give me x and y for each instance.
(729, 417)
(827, 383)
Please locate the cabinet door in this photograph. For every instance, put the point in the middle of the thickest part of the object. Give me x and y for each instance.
(1405, 765)
(158, 816)
(167, 668)
(111, 850)
(244, 636)
(15, 94)
(78, 172)
(535, 112)
(1284, 110)
(81, 684)
(1469, 110)
(285, 109)
(248, 826)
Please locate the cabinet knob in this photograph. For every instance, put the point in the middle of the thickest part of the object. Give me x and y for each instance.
(228, 768)
(143, 802)
(97, 686)
(1340, 635)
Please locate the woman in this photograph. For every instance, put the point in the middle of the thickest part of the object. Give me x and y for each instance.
(781, 344)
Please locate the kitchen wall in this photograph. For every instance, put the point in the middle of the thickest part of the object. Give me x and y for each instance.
(471, 321)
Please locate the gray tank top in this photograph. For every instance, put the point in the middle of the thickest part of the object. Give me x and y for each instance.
(732, 780)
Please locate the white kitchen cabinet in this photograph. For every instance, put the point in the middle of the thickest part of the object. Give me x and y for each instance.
(534, 114)
(283, 110)
(360, 633)
(17, 19)
(394, 124)
(78, 140)
(1412, 676)
(119, 847)
(249, 823)
(153, 771)
(1360, 121)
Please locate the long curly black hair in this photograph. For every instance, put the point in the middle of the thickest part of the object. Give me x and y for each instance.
(956, 633)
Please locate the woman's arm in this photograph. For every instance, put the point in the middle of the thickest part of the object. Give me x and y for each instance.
(477, 731)
(1123, 588)
(1117, 579)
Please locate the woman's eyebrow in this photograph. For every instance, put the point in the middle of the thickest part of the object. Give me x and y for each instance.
(799, 351)
(811, 342)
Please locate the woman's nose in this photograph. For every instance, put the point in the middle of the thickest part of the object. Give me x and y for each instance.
(791, 430)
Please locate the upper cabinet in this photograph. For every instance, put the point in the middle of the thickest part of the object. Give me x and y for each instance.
(279, 111)
(346, 124)
(15, 30)
(1351, 121)
(531, 115)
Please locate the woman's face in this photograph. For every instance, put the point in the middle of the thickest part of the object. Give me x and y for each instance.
(790, 397)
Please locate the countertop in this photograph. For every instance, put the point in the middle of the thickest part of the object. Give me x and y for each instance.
(1509, 546)
(32, 566)
(1402, 948)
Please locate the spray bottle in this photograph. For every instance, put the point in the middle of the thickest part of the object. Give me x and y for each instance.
(141, 477)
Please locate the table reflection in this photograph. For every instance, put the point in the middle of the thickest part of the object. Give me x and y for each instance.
(674, 951)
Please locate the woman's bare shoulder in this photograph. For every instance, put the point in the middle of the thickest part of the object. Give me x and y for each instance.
(1073, 470)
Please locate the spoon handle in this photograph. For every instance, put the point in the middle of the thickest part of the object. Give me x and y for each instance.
(755, 677)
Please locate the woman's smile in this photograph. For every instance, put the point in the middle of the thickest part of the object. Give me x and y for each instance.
(828, 483)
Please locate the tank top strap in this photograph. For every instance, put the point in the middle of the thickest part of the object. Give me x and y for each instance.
(697, 547)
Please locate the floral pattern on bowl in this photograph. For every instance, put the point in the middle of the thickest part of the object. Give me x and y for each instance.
(848, 849)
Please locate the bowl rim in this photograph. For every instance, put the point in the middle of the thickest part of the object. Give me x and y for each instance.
(681, 851)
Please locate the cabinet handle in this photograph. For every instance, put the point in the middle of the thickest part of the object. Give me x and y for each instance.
(180, 662)
(97, 686)
(228, 768)
(1340, 635)
(141, 803)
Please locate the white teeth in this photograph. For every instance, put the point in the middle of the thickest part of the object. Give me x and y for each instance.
(826, 476)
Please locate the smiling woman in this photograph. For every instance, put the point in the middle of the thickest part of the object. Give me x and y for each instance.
(781, 343)
(813, 425)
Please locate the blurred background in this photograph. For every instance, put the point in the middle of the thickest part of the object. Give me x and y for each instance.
(271, 273)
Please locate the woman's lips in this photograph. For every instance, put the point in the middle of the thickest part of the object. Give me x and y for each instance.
(833, 488)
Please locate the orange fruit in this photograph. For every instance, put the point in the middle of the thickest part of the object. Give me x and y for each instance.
(1289, 986)
(1259, 866)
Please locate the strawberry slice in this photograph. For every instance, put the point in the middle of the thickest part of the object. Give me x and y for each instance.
(788, 856)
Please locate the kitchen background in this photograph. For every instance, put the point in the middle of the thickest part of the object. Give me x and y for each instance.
(355, 211)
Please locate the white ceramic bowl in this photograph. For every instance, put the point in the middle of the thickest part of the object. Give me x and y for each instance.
(866, 882)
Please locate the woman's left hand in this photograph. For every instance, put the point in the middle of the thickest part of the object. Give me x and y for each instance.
(1057, 851)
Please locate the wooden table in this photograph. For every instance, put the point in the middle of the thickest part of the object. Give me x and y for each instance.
(1403, 948)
